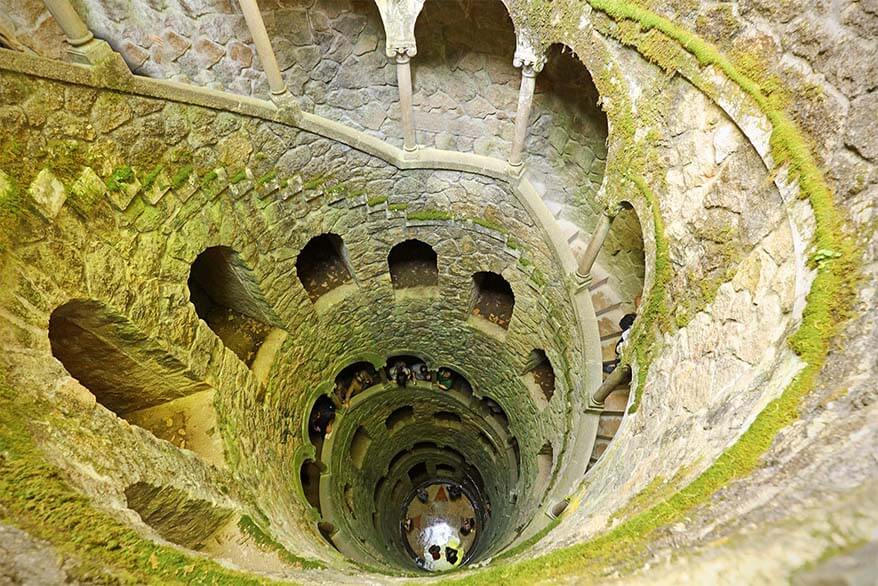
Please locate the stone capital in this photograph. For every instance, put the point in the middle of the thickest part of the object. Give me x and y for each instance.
(530, 67)
(402, 53)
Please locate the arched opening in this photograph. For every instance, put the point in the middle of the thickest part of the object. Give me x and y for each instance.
(406, 368)
(540, 378)
(353, 380)
(327, 530)
(545, 462)
(134, 377)
(568, 143)
(493, 408)
(492, 299)
(466, 87)
(516, 452)
(227, 297)
(322, 265)
(378, 487)
(320, 422)
(359, 447)
(309, 474)
(446, 418)
(617, 303)
(417, 472)
(399, 417)
(176, 516)
(349, 500)
(412, 263)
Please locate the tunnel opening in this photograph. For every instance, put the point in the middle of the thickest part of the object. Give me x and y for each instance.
(492, 299)
(322, 265)
(227, 297)
(413, 263)
(134, 378)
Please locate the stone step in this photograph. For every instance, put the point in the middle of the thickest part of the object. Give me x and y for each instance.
(555, 208)
(606, 309)
(569, 230)
(597, 284)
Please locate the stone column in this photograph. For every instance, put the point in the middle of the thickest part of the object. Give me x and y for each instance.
(614, 380)
(263, 46)
(529, 70)
(84, 48)
(65, 15)
(403, 57)
(583, 272)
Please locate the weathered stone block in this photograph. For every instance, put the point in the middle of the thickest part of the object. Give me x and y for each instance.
(87, 189)
(48, 194)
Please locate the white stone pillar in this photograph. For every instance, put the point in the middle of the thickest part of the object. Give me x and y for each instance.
(263, 46)
(404, 81)
(594, 247)
(522, 114)
(65, 15)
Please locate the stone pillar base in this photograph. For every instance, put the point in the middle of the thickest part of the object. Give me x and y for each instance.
(94, 52)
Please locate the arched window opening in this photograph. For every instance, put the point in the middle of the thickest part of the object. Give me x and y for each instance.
(417, 471)
(545, 461)
(379, 486)
(617, 305)
(445, 470)
(457, 40)
(412, 263)
(134, 377)
(516, 452)
(540, 378)
(327, 530)
(323, 266)
(353, 380)
(320, 421)
(447, 417)
(488, 444)
(395, 460)
(359, 447)
(492, 299)
(450, 379)
(399, 417)
(494, 409)
(349, 500)
(406, 368)
(567, 97)
(309, 474)
(177, 517)
(227, 297)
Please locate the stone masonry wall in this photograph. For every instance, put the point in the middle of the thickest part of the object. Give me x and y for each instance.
(151, 238)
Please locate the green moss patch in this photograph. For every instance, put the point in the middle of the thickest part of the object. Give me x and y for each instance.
(430, 215)
(35, 497)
